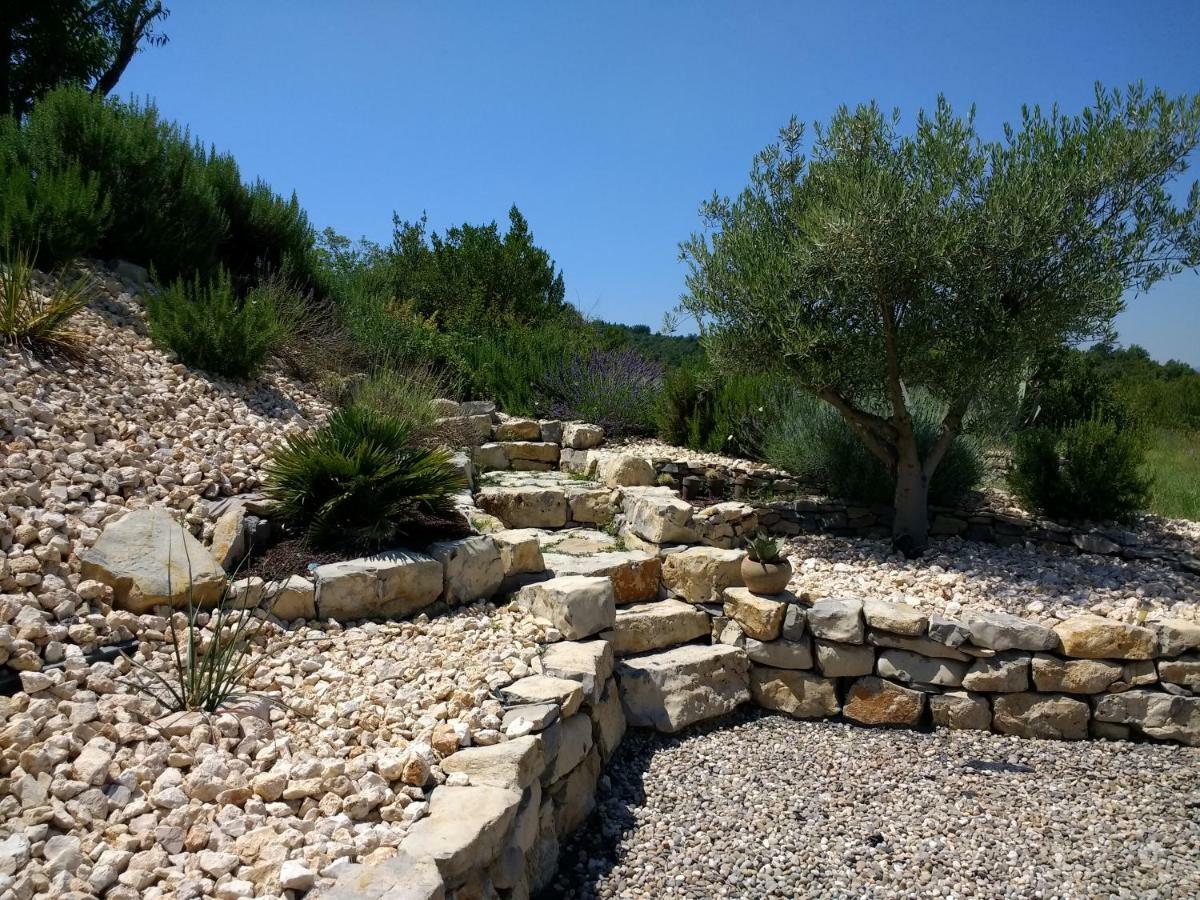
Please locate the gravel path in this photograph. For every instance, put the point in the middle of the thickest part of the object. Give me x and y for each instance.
(768, 807)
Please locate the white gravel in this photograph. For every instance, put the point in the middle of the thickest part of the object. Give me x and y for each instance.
(1023, 580)
(767, 807)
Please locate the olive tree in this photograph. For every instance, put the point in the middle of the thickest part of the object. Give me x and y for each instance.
(883, 261)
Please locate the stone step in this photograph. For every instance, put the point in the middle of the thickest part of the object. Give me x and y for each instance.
(672, 689)
(634, 574)
(577, 605)
(642, 627)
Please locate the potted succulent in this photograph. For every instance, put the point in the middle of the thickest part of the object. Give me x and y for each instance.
(765, 570)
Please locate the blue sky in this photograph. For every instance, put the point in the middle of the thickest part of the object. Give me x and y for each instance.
(608, 123)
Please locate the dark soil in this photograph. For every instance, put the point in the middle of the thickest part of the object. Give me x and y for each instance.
(294, 556)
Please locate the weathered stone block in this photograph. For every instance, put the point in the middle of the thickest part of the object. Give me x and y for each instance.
(922, 645)
(520, 551)
(1040, 716)
(490, 458)
(514, 764)
(780, 654)
(588, 662)
(961, 710)
(149, 559)
(844, 660)
(1183, 671)
(1095, 637)
(1001, 631)
(1074, 676)
(902, 665)
(394, 583)
(582, 436)
(1162, 716)
(874, 701)
(624, 470)
(566, 693)
(465, 828)
(642, 627)
(293, 598)
(897, 618)
(701, 574)
(801, 695)
(659, 516)
(575, 742)
(518, 430)
(608, 717)
(577, 605)
(635, 574)
(760, 617)
(837, 620)
(525, 506)
(472, 568)
(1006, 672)
(676, 688)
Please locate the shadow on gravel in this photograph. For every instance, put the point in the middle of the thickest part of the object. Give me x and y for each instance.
(593, 850)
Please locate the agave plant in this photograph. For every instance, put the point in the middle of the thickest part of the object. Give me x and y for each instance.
(765, 549)
(358, 480)
(31, 321)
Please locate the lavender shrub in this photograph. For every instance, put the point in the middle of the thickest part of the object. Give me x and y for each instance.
(616, 389)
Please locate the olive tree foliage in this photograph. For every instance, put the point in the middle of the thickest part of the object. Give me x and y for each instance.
(48, 43)
(882, 261)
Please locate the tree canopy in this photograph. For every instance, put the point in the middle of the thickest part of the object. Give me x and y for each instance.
(48, 43)
(883, 261)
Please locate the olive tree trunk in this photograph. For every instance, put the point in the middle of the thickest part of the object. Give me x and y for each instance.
(910, 526)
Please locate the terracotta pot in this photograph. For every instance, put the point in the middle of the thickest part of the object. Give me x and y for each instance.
(766, 578)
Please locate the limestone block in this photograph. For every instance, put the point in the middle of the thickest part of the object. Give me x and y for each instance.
(293, 598)
(593, 506)
(780, 654)
(874, 701)
(551, 431)
(837, 620)
(608, 718)
(526, 506)
(1074, 676)
(800, 695)
(1001, 631)
(530, 451)
(391, 584)
(582, 436)
(1162, 716)
(149, 559)
(520, 551)
(1006, 672)
(760, 617)
(624, 470)
(518, 430)
(490, 458)
(575, 742)
(922, 645)
(400, 877)
(588, 662)
(574, 796)
(897, 618)
(472, 568)
(465, 828)
(1184, 671)
(676, 688)
(725, 524)
(566, 693)
(845, 660)
(229, 538)
(635, 574)
(1095, 637)
(1040, 716)
(659, 516)
(961, 710)
(1175, 636)
(513, 764)
(577, 605)
(642, 627)
(701, 574)
(902, 665)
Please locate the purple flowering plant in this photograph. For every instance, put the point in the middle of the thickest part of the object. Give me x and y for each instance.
(615, 389)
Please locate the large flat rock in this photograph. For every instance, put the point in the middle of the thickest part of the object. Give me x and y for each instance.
(149, 560)
(391, 584)
(577, 605)
(525, 506)
(701, 574)
(465, 829)
(634, 574)
(643, 627)
(670, 690)
(658, 515)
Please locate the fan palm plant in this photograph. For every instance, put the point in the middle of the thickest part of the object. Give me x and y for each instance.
(358, 480)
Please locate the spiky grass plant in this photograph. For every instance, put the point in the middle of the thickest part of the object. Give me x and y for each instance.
(37, 322)
(210, 655)
(359, 480)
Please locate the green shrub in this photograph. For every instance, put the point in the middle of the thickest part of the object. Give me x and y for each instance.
(58, 210)
(507, 364)
(114, 180)
(699, 410)
(677, 402)
(33, 321)
(210, 328)
(811, 440)
(1090, 469)
(391, 334)
(407, 397)
(359, 481)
